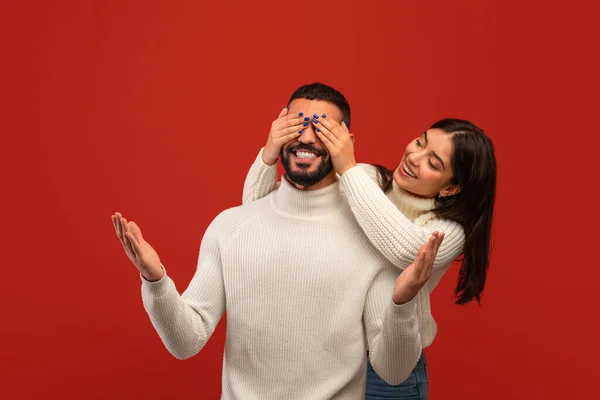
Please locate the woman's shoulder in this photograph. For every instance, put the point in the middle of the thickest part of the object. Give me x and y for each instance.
(432, 222)
(371, 170)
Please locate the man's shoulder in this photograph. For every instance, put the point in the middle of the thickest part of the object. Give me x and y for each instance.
(242, 213)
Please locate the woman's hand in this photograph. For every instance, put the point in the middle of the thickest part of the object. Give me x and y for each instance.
(339, 143)
(285, 128)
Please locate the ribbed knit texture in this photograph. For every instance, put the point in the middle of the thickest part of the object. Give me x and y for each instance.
(396, 223)
(306, 296)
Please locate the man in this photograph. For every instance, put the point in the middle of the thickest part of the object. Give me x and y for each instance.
(305, 292)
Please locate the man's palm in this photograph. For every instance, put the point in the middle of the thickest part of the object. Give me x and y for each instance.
(140, 253)
(413, 278)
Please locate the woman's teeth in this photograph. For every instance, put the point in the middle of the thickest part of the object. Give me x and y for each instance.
(408, 171)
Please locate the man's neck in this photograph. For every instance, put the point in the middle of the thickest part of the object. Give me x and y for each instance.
(328, 180)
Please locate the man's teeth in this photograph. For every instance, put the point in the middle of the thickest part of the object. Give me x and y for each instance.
(408, 171)
(304, 154)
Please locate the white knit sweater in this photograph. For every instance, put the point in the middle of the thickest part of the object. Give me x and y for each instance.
(396, 223)
(305, 295)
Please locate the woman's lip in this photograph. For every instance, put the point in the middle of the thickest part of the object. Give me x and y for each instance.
(403, 172)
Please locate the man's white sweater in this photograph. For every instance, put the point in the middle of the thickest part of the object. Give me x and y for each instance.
(306, 296)
(396, 223)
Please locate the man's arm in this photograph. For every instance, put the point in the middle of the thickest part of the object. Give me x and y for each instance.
(392, 331)
(390, 316)
(184, 323)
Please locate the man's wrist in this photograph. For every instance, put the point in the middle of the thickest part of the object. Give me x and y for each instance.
(154, 277)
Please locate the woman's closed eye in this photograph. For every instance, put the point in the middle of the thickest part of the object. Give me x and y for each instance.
(419, 144)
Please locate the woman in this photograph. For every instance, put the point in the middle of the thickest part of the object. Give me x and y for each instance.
(445, 182)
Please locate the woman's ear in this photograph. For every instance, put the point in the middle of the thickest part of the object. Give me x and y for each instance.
(450, 190)
(352, 138)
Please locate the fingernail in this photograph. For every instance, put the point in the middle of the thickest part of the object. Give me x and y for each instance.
(324, 115)
(315, 121)
(317, 129)
(305, 124)
(300, 114)
(299, 132)
(315, 115)
(307, 118)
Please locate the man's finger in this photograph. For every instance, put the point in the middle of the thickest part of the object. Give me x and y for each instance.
(123, 224)
(119, 226)
(420, 262)
(136, 231)
(114, 222)
(125, 240)
(430, 251)
(129, 248)
(438, 243)
(134, 243)
(128, 233)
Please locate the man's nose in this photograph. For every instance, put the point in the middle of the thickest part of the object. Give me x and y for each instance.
(308, 135)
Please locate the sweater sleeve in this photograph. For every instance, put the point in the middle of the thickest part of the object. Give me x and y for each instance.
(260, 180)
(185, 323)
(390, 231)
(392, 330)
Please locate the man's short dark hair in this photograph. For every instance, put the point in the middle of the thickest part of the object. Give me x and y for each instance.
(320, 91)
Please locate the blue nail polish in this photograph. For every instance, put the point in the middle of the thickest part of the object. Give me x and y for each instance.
(315, 121)
(317, 129)
(324, 115)
(300, 114)
(305, 124)
(299, 132)
(315, 115)
(307, 118)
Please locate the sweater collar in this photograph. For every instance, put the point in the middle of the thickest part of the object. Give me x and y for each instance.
(411, 206)
(307, 203)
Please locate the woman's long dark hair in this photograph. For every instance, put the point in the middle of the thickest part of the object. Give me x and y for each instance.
(474, 167)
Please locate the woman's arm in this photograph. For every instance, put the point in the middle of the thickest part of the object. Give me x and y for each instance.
(390, 231)
(260, 180)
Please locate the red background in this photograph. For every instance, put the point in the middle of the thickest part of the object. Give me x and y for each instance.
(158, 109)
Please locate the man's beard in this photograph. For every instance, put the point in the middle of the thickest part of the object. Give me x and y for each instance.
(304, 177)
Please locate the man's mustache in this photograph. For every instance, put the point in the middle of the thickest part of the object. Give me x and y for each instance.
(308, 147)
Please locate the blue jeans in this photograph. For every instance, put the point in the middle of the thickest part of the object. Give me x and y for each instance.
(414, 388)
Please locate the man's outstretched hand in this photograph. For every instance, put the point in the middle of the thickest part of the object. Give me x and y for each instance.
(413, 278)
(141, 254)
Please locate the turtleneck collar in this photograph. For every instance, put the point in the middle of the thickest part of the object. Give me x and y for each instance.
(307, 203)
(409, 205)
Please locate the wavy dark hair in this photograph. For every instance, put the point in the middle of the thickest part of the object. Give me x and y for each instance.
(474, 170)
